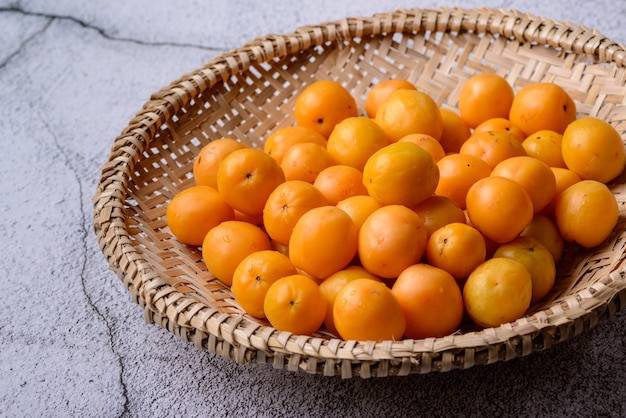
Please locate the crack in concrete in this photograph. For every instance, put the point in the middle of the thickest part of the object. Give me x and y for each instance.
(83, 267)
(25, 42)
(104, 33)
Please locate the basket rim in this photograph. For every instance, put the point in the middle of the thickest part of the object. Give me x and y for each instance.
(112, 232)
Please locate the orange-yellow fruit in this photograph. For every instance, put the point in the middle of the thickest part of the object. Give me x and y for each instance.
(354, 140)
(593, 149)
(455, 131)
(499, 208)
(209, 158)
(295, 304)
(533, 175)
(457, 248)
(286, 204)
(367, 310)
(408, 112)
(381, 90)
(542, 106)
(281, 139)
(194, 211)
(323, 241)
(485, 96)
(332, 285)
(391, 239)
(538, 261)
(586, 213)
(228, 243)
(498, 291)
(246, 177)
(254, 275)
(401, 173)
(431, 300)
(322, 105)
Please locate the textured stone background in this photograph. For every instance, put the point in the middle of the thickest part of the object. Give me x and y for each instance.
(72, 343)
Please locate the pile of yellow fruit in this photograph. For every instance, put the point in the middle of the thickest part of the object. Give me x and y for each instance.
(397, 220)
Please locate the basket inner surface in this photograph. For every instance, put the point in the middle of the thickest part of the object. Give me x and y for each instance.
(251, 104)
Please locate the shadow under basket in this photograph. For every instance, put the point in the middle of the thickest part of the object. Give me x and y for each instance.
(250, 91)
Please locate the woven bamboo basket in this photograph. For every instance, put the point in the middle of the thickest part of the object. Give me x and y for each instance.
(250, 91)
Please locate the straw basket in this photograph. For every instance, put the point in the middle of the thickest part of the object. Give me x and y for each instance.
(250, 91)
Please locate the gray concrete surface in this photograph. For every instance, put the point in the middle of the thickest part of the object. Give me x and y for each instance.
(73, 344)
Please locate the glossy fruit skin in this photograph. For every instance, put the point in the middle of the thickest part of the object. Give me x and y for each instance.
(228, 243)
(500, 124)
(332, 285)
(359, 208)
(581, 210)
(485, 96)
(455, 130)
(304, 161)
(209, 158)
(538, 261)
(545, 145)
(339, 182)
(281, 139)
(295, 304)
(564, 178)
(431, 300)
(498, 291)
(457, 173)
(251, 218)
(246, 177)
(323, 241)
(286, 204)
(438, 211)
(380, 91)
(367, 310)
(542, 106)
(457, 248)
(322, 105)
(492, 147)
(544, 229)
(499, 208)
(408, 112)
(593, 149)
(253, 277)
(194, 211)
(354, 140)
(533, 175)
(586, 213)
(401, 173)
(391, 239)
(428, 143)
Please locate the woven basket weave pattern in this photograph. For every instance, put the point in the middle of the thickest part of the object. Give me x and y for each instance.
(251, 91)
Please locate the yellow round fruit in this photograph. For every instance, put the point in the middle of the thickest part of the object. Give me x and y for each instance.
(407, 112)
(586, 213)
(497, 291)
(593, 149)
(367, 310)
(354, 140)
(401, 173)
(544, 230)
(536, 258)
